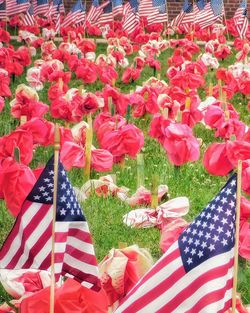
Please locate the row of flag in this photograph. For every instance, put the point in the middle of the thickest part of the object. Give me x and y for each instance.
(199, 12)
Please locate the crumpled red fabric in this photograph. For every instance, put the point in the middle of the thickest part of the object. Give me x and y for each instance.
(170, 232)
(215, 159)
(21, 139)
(16, 182)
(70, 297)
(180, 144)
(121, 269)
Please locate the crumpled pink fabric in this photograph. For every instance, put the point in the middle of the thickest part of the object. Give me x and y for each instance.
(143, 196)
(16, 182)
(104, 186)
(121, 269)
(18, 283)
(171, 231)
(146, 217)
(180, 144)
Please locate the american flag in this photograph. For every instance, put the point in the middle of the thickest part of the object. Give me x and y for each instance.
(56, 5)
(14, 7)
(28, 17)
(241, 19)
(107, 14)
(196, 273)
(117, 7)
(41, 7)
(3, 14)
(29, 242)
(58, 22)
(131, 16)
(159, 14)
(145, 8)
(213, 12)
(76, 15)
(186, 9)
(95, 11)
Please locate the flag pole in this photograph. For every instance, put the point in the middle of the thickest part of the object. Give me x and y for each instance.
(237, 235)
(56, 161)
(166, 4)
(224, 15)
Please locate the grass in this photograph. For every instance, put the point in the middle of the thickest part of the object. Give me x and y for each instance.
(105, 215)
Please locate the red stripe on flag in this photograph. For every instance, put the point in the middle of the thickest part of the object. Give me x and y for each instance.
(212, 297)
(194, 286)
(81, 235)
(44, 238)
(27, 233)
(75, 253)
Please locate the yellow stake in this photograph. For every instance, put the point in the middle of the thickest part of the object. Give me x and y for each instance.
(237, 235)
(56, 160)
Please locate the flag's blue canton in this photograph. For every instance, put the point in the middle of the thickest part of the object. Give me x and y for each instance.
(41, 2)
(68, 208)
(108, 8)
(213, 231)
(134, 4)
(57, 3)
(3, 6)
(201, 4)
(158, 3)
(21, 1)
(216, 6)
(117, 3)
(31, 10)
(243, 5)
(187, 7)
(95, 3)
(78, 6)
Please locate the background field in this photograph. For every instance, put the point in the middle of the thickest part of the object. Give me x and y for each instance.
(105, 215)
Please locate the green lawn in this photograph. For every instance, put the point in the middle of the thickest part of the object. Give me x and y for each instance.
(105, 215)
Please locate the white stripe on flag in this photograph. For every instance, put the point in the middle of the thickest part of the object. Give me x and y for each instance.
(27, 217)
(73, 262)
(185, 281)
(30, 242)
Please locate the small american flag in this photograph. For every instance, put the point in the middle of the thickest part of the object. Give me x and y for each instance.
(28, 18)
(107, 14)
(212, 13)
(117, 7)
(57, 5)
(145, 8)
(241, 19)
(3, 14)
(186, 9)
(95, 11)
(131, 16)
(159, 14)
(196, 272)
(29, 242)
(76, 15)
(41, 7)
(14, 7)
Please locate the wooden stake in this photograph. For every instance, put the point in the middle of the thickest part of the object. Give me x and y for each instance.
(23, 119)
(210, 89)
(140, 170)
(237, 235)
(188, 103)
(220, 90)
(89, 138)
(56, 160)
(154, 191)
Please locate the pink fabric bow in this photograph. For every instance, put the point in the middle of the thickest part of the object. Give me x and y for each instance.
(144, 218)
